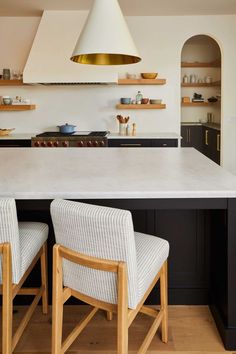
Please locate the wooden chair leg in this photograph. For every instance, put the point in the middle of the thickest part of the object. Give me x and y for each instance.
(57, 302)
(7, 301)
(164, 303)
(44, 278)
(109, 315)
(122, 311)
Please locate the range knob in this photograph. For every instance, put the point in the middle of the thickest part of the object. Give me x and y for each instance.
(43, 144)
(80, 143)
(56, 144)
(102, 143)
(65, 144)
(90, 143)
(95, 143)
(49, 144)
(37, 144)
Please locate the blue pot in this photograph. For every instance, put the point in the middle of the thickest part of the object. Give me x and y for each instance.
(67, 128)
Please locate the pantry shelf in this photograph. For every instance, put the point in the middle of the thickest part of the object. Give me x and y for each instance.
(194, 104)
(212, 84)
(197, 64)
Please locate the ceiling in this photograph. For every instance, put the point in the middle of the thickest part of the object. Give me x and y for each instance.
(129, 7)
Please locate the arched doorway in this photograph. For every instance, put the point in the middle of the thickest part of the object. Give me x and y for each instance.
(201, 95)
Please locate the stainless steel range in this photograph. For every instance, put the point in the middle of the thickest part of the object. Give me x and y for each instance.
(76, 139)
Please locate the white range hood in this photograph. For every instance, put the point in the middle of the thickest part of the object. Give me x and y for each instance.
(49, 59)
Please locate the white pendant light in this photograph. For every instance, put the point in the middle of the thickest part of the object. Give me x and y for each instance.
(105, 38)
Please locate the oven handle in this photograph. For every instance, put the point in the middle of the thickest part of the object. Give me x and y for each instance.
(130, 145)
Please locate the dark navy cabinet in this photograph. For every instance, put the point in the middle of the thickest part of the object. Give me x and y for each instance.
(133, 142)
(15, 143)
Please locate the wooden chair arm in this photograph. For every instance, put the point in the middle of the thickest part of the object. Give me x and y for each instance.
(88, 261)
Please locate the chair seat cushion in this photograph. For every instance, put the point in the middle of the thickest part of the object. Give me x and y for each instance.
(151, 252)
(32, 237)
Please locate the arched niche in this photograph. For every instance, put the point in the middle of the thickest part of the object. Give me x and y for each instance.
(201, 80)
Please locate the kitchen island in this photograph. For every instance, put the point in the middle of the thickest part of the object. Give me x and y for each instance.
(177, 194)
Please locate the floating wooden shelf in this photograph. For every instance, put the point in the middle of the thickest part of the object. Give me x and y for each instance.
(12, 107)
(141, 106)
(11, 83)
(212, 84)
(141, 81)
(197, 64)
(197, 104)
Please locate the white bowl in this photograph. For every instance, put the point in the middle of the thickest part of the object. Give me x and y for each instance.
(131, 76)
(155, 101)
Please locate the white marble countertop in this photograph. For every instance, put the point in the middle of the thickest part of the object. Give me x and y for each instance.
(17, 136)
(116, 173)
(155, 135)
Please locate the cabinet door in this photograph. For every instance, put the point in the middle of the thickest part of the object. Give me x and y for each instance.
(192, 136)
(189, 257)
(129, 142)
(206, 139)
(218, 144)
(184, 135)
(164, 142)
(211, 144)
(215, 146)
(195, 137)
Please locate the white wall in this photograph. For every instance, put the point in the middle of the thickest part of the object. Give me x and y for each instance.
(160, 41)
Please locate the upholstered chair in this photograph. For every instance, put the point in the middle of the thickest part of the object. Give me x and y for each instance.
(99, 259)
(22, 244)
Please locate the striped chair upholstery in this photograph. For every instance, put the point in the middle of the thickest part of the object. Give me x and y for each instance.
(26, 238)
(22, 245)
(106, 233)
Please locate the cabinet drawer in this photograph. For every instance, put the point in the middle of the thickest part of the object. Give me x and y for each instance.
(129, 143)
(142, 142)
(164, 142)
(15, 143)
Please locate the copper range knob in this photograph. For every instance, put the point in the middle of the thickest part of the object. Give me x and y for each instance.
(65, 144)
(43, 144)
(56, 144)
(80, 143)
(37, 144)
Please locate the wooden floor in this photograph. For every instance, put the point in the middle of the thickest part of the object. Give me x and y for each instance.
(191, 331)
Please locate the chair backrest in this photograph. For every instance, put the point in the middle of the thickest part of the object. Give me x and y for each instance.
(100, 232)
(9, 232)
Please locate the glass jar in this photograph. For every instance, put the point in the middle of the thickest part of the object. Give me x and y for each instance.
(139, 97)
(6, 74)
(185, 79)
